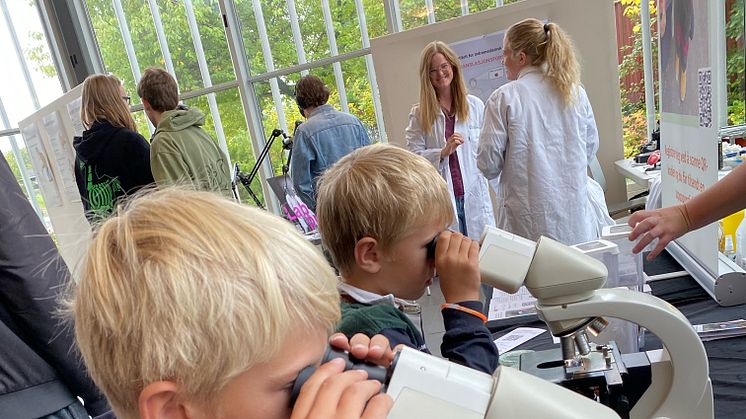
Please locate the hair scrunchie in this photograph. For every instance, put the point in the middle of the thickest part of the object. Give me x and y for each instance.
(546, 27)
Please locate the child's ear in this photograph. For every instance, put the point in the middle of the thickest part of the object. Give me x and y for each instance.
(161, 400)
(368, 255)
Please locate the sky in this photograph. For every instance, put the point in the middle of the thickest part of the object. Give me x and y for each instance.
(14, 92)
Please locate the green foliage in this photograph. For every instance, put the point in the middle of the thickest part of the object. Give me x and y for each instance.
(735, 65)
(634, 117)
(736, 112)
(13, 163)
(39, 54)
(635, 131)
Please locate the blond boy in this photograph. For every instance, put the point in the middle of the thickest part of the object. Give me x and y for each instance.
(379, 209)
(191, 306)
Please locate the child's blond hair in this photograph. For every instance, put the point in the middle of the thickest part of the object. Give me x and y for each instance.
(379, 191)
(188, 287)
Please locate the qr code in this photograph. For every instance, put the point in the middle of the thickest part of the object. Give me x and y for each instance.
(704, 93)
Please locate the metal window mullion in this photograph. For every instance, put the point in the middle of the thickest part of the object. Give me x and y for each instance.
(393, 16)
(11, 131)
(197, 93)
(94, 55)
(161, 34)
(269, 63)
(430, 11)
(371, 70)
(338, 78)
(464, 7)
(310, 65)
(206, 79)
(19, 55)
(297, 38)
(719, 55)
(252, 111)
(647, 59)
(20, 162)
(124, 30)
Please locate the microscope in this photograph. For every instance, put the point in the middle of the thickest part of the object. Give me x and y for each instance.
(567, 285)
(424, 386)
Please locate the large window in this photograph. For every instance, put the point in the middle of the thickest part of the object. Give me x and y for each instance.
(29, 81)
(280, 41)
(414, 13)
(631, 64)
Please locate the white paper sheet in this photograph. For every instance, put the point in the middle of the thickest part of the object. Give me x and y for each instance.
(516, 337)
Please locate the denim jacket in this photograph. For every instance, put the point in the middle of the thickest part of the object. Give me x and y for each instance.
(325, 137)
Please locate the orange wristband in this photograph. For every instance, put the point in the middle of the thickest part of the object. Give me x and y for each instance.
(465, 310)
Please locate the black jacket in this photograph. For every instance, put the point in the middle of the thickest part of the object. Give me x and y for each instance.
(110, 162)
(40, 367)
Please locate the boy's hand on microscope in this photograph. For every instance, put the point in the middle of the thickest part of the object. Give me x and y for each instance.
(333, 393)
(457, 264)
(376, 349)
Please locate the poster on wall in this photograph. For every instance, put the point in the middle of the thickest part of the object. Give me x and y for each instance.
(64, 155)
(73, 111)
(482, 63)
(42, 166)
(689, 134)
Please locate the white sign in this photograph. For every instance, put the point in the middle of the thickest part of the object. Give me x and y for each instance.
(482, 63)
(688, 133)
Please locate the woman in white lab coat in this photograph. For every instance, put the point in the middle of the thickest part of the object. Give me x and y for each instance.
(539, 135)
(444, 128)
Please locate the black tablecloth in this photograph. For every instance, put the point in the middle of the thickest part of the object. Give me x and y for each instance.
(727, 356)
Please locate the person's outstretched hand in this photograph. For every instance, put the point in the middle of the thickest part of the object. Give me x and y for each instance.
(664, 224)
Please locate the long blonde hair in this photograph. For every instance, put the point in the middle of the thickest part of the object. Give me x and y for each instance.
(549, 46)
(102, 100)
(429, 106)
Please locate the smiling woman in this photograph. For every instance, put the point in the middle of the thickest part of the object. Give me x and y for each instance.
(444, 128)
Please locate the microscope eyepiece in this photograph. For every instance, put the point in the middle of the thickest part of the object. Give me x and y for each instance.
(375, 372)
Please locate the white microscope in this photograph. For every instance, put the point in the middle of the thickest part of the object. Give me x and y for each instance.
(567, 285)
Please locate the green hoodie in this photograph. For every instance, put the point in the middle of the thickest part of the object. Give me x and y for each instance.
(182, 153)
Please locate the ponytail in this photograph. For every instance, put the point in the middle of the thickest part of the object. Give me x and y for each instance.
(548, 46)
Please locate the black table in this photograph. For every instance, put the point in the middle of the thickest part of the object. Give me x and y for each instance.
(727, 357)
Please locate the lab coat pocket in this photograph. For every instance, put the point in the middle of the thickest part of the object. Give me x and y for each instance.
(473, 139)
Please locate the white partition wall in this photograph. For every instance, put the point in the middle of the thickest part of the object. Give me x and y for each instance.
(591, 24)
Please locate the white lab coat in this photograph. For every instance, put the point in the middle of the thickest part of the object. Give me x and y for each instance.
(540, 148)
(477, 205)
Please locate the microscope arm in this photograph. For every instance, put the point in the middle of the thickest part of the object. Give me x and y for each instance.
(690, 371)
